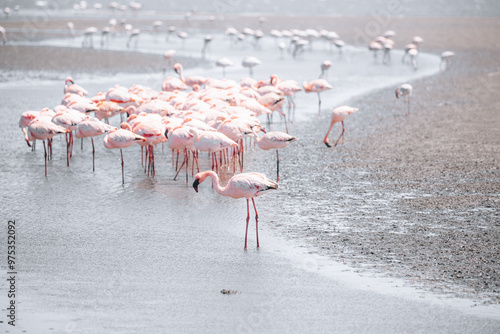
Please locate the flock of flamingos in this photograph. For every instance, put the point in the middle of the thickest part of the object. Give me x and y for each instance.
(189, 115)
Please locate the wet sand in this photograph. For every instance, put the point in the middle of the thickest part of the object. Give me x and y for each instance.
(429, 181)
(441, 161)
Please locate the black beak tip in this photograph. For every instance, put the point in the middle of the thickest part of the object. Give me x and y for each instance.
(195, 185)
(328, 144)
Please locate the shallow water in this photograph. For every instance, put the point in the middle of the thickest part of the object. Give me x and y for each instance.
(152, 256)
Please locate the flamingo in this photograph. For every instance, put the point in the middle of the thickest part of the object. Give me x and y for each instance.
(182, 35)
(245, 185)
(181, 139)
(413, 58)
(388, 46)
(289, 88)
(375, 47)
(275, 140)
(134, 35)
(324, 67)
(71, 27)
(405, 91)
(408, 47)
(169, 57)
(24, 121)
(71, 87)
(206, 42)
(171, 30)
(121, 139)
(212, 142)
(88, 40)
(153, 131)
(90, 128)
(338, 115)
(339, 44)
(318, 86)
(170, 84)
(190, 81)
(3, 34)
(43, 129)
(68, 119)
(223, 62)
(250, 62)
(445, 58)
(105, 36)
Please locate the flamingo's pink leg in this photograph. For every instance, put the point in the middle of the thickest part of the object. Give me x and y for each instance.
(45, 156)
(248, 219)
(256, 222)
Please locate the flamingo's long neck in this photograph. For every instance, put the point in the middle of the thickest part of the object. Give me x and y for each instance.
(181, 75)
(215, 182)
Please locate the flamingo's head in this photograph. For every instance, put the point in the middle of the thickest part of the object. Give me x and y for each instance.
(200, 177)
(69, 80)
(327, 143)
(397, 93)
(177, 68)
(195, 184)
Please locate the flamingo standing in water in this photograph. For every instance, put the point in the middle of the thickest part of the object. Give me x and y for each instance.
(3, 34)
(275, 140)
(250, 62)
(445, 58)
(121, 139)
(43, 129)
(211, 142)
(245, 185)
(90, 128)
(338, 115)
(318, 86)
(180, 139)
(325, 66)
(405, 91)
(223, 62)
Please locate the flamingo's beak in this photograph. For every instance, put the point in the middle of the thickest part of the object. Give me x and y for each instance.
(166, 133)
(195, 185)
(327, 143)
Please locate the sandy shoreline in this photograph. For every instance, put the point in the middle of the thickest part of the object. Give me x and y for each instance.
(444, 155)
(442, 161)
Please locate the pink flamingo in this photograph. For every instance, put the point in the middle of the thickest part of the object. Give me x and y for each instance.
(211, 142)
(338, 115)
(275, 140)
(445, 58)
(289, 88)
(71, 87)
(121, 139)
(154, 133)
(90, 128)
(69, 119)
(43, 129)
(405, 91)
(325, 66)
(180, 139)
(318, 86)
(24, 121)
(171, 84)
(105, 110)
(245, 185)
(190, 81)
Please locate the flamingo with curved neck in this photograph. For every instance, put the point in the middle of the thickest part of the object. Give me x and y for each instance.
(244, 185)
